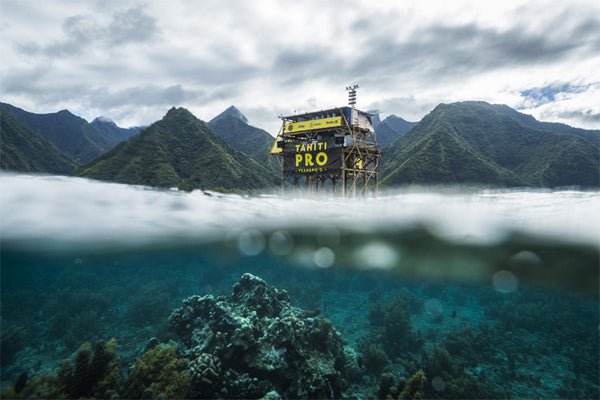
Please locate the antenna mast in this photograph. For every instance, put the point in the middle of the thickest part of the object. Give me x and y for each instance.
(352, 95)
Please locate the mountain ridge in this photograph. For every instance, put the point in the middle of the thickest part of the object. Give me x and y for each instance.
(248, 139)
(231, 111)
(502, 145)
(179, 151)
(501, 140)
(71, 134)
(112, 132)
(23, 150)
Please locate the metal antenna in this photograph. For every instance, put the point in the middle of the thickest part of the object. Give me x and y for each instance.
(352, 95)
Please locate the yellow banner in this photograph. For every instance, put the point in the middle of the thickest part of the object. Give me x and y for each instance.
(278, 140)
(294, 127)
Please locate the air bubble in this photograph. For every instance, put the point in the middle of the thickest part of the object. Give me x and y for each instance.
(505, 282)
(281, 243)
(377, 255)
(434, 307)
(251, 242)
(324, 257)
(525, 258)
(438, 383)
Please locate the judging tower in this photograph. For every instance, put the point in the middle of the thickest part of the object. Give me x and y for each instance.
(329, 149)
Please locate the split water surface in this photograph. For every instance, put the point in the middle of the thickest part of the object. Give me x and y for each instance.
(491, 293)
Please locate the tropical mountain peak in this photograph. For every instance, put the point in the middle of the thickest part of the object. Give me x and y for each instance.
(179, 151)
(104, 120)
(492, 144)
(178, 113)
(233, 111)
(71, 134)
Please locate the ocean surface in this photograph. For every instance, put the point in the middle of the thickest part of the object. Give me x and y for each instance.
(491, 293)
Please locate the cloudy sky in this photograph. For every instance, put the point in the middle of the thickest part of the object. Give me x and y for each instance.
(131, 61)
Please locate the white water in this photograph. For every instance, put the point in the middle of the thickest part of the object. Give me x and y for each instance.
(40, 212)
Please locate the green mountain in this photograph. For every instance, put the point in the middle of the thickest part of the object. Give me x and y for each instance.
(71, 134)
(527, 120)
(25, 151)
(253, 141)
(391, 129)
(179, 150)
(231, 111)
(113, 133)
(477, 142)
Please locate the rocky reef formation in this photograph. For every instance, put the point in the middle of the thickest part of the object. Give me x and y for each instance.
(255, 342)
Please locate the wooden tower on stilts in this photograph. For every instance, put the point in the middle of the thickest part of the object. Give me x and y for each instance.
(332, 149)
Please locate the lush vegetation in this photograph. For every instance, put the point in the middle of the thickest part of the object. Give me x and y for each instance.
(179, 151)
(25, 151)
(391, 129)
(467, 142)
(476, 142)
(113, 133)
(71, 134)
(253, 141)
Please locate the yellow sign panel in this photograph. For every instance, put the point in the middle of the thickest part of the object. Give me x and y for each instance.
(294, 127)
(276, 149)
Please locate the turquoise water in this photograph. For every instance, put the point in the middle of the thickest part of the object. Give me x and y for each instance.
(491, 293)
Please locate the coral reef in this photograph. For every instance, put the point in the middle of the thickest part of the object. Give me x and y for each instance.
(205, 372)
(257, 336)
(393, 329)
(159, 373)
(374, 357)
(91, 374)
(447, 377)
(12, 337)
(396, 323)
(351, 364)
(404, 390)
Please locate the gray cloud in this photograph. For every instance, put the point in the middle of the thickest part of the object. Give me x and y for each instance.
(444, 52)
(131, 26)
(587, 116)
(87, 31)
(149, 95)
(122, 59)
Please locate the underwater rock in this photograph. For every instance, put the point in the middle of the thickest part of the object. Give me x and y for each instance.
(257, 334)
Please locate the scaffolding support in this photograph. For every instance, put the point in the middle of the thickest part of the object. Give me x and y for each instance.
(360, 155)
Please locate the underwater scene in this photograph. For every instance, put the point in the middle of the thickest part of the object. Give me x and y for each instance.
(119, 291)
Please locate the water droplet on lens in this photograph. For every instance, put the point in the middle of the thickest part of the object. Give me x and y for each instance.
(434, 307)
(281, 243)
(438, 383)
(505, 281)
(324, 257)
(251, 242)
(377, 255)
(525, 257)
